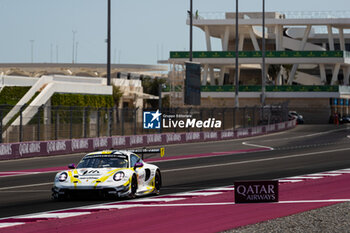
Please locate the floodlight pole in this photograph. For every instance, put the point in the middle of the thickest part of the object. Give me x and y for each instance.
(109, 43)
(237, 65)
(191, 30)
(73, 53)
(32, 50)
(263, 68)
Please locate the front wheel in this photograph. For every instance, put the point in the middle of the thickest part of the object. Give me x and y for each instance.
(59, 197)
(133, 187)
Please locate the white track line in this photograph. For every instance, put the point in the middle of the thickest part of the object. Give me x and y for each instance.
(233, 203)
(255, 145)
(257, 160)
(54, 215)
(25, 186)
(314, 201)
(287, 180)
(341, 171)
(223, 189)
(24, 191)
(158, 199)
(308, 135)
(196, 194)
(116, 206)
(306, 177)
(14, 172)
(325, 174)
(10, 224)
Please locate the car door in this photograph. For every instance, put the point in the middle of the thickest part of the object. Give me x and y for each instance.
(140, 171)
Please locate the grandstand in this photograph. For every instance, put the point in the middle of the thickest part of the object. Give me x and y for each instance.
(302, 50)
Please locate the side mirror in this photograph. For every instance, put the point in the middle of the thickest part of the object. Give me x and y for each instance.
(138, 165)
(71, 166)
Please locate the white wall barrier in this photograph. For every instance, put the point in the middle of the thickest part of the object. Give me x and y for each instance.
(60, 147)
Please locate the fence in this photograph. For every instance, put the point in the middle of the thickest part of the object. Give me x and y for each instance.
(61, 122)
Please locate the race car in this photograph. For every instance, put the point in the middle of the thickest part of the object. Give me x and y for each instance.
(111, 173)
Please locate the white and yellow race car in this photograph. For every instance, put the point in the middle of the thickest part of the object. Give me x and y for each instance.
(115, 173)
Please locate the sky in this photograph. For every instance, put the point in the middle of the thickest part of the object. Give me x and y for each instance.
(143, 31)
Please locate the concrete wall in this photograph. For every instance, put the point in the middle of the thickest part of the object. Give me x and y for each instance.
(60, 147)
(17, 81)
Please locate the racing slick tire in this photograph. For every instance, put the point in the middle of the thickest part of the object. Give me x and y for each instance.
(59, 197)
(157, 183)
(133, 187)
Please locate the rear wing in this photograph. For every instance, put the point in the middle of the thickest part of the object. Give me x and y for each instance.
(149, 151)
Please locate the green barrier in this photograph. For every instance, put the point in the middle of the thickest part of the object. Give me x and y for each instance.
(258, 54)
(252, 88)
(167, 89)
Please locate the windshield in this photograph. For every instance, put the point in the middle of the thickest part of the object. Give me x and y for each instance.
(103, 162)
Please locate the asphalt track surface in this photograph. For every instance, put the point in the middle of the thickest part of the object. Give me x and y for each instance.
(303, 150)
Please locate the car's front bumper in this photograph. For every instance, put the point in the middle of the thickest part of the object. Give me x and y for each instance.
(87, 192)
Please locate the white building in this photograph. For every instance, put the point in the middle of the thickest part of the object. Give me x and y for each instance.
(308, 51)
(322, 36)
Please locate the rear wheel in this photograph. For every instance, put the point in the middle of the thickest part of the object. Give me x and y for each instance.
(157, 182)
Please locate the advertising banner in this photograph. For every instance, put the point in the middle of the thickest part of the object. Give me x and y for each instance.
(256, 191)
(60, 147)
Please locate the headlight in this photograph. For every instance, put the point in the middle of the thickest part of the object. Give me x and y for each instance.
(118, 176)
(63, 176)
